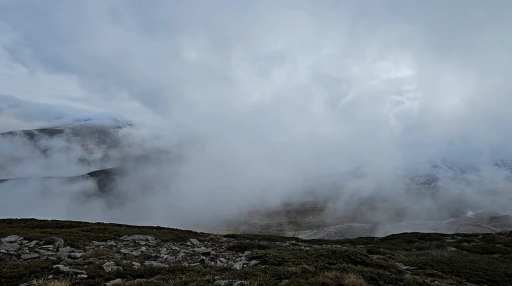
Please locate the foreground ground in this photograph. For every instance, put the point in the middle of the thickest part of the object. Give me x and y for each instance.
(38, 252)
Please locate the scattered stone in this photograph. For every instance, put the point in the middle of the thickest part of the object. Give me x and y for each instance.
(403, 267)
(82, 276)
(9, 247)
(98, 243)
(30, 256)
(76, 255)
(111, 266)
(66, 250)
(253, 262)
(203, 251)
(59, 242)
(43, 252)
(73, 262)
(134, 253)
(138, 237)
(238, 265)
(168, 258)
(29, 283)
(223, 260)
(136, 264)
(154, 264)
(181, 256)
(115, 282)
(228, 283)
(47, 247)
(195, 242)
(31, 244)
(12, 239)
(202, 260)
(65, 269)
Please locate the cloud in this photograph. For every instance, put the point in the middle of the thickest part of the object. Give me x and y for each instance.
(273, 93)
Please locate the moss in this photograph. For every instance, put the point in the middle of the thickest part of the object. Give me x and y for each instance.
(22, 272)
(479, 269)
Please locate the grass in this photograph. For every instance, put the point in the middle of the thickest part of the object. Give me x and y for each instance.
(352, 279)
(51, 282)
(455, 259)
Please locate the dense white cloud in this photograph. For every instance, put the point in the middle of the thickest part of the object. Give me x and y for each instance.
(279, 91)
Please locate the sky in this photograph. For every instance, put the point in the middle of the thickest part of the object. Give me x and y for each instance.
(275, 91)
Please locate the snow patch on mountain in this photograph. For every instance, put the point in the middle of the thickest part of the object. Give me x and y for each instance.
(52, 115)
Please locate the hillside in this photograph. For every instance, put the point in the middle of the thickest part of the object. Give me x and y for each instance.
(97, 253)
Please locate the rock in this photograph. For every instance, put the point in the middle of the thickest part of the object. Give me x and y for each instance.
(111, 266)
(59, 242)
(115, 282)
(138, 237)
(154, 264)
(223, 260)
(238, 265)
(136, 264)
(73, 262)
(403, 267)
(228, 283)
(65, 269)
(203, 251)
(31, 244)
(29, 283)
(168, 258)
(97, 243)
(134, 253)
(253, 262)
(12, 239)
(43, 252)
(202, 260)
(82, 276)
(30, 256)
(9, 247)
(47, 247)
(195, 242)
(181, 256)
(66, 250)
(76, 255)
(111, 243)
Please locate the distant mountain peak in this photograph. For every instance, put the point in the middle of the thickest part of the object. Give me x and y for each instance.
(56, 116)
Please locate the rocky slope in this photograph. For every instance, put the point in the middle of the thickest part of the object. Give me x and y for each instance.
(82, 253)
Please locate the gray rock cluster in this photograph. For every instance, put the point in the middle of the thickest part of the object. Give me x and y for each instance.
(136, 250)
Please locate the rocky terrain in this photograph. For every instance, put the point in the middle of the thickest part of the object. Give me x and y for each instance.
(39, 252)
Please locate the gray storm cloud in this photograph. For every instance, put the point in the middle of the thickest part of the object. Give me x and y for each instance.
(278, 97)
